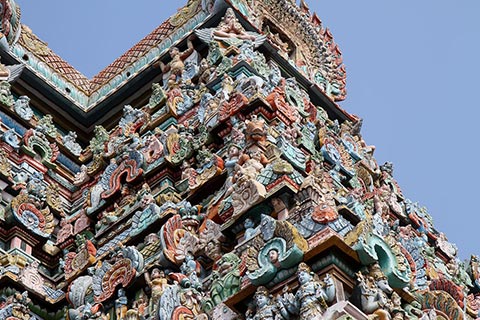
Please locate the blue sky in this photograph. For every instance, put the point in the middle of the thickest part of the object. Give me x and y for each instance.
(412, 71)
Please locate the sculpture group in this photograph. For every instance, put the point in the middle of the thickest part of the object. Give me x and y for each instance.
(236, 189)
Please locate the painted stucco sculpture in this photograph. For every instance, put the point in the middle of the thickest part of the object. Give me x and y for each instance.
(208, 173)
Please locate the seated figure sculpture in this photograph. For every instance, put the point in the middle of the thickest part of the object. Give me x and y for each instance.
(229, 27)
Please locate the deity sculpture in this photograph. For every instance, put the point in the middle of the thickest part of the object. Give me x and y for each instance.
(266, 308)
(229, 27)
(177, 65)
(121, 305)
(280, 207)
(157, 283)
(373, 289)
(229, 31)
(250, 229)
(310, 300)
(22, 108)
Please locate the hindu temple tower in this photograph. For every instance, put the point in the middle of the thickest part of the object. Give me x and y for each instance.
(207, 173)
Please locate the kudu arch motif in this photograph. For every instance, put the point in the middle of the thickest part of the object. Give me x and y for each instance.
(233, 188)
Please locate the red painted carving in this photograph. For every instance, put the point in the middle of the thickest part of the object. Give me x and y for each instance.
(129, 168)
(230, 108)
(277, 101)
(323, 213)
(122, 273)
(81, 224)
(172, 232)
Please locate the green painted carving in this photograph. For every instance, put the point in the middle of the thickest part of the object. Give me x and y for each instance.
(372, 248)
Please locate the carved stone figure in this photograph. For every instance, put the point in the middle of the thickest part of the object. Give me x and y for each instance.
(121, 305)
(176, 66)
(373, 297)
(229, 31)
(22, 108)
(265, 308)
(6, 97)
(157, 283)
(310, 300)
(11, 137)
(250, 229)
(71, 144)
(46, 126)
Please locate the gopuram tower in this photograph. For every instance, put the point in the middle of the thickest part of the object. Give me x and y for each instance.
(207, 173)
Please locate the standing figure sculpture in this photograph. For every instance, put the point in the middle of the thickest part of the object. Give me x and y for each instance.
(157, 283)
(177, 65)
(121, 305)
(266, 308)
(310, 300)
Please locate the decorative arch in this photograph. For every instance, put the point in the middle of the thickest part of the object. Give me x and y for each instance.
(128, 168)
(449, 287)
(373, 249)
(121, 273)
(35, 143)
(40, 222)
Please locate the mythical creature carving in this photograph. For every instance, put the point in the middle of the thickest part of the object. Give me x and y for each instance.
(226, 276)
(278, 246)
(46, 126)
(70, 143)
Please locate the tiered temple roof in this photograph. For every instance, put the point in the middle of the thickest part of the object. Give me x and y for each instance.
(207, 173)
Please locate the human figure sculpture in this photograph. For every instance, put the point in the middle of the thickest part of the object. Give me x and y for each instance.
(250, 229)
(177, 65)
(310, 300)
(229, 27)
(157, 283)
(121, 305)
(266, 308)
(280, 208)
(397, 311)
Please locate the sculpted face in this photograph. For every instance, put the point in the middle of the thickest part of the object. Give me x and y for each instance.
(155, 273)
(248, 223)
(233, 151)
(304, 277)
(273, 255)
(173, 51)
(261, 300)
(229, 15)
